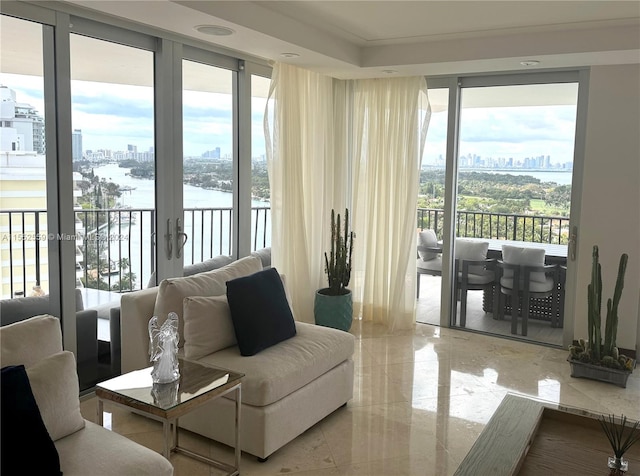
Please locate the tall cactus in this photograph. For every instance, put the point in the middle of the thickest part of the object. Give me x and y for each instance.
(611, 328)
(594, 296)
(338, 263)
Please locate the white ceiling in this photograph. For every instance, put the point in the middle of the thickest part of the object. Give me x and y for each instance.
(363, 38)
(349, 39)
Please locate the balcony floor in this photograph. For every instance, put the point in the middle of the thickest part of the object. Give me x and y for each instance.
(428, 312)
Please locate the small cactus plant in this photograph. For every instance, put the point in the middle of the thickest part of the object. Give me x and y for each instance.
(338, 262)
(593, 350)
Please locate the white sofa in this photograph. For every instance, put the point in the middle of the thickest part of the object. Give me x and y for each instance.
(83, 447)
(287, 388)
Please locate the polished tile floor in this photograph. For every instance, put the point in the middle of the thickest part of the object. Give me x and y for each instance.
(428, 312)
(421, 398)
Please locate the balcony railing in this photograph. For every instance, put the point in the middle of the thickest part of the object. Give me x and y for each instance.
(115, 248)
(499, 226)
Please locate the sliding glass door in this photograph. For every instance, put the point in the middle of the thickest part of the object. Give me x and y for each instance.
(112, 96)
(431, 200)
(515, 165)
(208, 161)
(504, 178)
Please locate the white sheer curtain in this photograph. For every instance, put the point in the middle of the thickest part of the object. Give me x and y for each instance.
(390, 120)
(306, 156)
(309, 121)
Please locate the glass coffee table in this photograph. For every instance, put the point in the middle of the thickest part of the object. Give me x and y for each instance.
(198, 384)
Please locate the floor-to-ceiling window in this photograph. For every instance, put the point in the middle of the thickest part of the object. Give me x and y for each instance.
(431, 197)
(116, 106)
(112, 103)
(207, 105)
(23, 178)
(260, 192)
(512, 146)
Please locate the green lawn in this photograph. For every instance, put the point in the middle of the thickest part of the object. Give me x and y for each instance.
(537, 204)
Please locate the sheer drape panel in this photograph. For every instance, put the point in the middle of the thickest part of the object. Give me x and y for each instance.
(307, 173)
(390, 119)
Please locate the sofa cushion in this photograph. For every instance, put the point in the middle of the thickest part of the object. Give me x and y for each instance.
(524, 256)
(27, 447)
(97, 451)
(432, 266)
(534, 286)
(191, 269)
(172, 291)
(260, 311)
(29, 341)
(210, 264)
(54, 382)
(473, 250)
(427, 238)
(288, 366)
(19, 309)
(207, 325)
(265, 256)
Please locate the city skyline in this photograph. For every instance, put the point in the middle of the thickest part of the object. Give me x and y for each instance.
(119, 115)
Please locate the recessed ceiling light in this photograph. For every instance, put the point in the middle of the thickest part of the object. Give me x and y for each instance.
(214, 30)
(389, 71)
(530, 63)
(289, 55)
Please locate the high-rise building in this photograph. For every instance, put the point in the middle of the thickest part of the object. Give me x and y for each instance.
(22, 126)
(76, 145)
(23, 199)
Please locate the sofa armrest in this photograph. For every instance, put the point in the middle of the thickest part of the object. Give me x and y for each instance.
(136, 309)
(87, 345)
(87, 335)
(115, 347)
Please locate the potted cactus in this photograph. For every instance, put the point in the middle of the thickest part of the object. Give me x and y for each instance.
(333, 306)
(592, 358)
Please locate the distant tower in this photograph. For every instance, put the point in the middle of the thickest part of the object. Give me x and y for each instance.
(76, 145)
(21, 127)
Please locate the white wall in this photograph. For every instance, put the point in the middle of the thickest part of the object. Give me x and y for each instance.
(610, 214)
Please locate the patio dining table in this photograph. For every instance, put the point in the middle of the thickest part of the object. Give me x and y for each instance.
(540, 308)
(554, 253)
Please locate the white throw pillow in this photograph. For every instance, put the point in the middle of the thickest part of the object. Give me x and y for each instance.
(54, 383)
(29, 341)
(427, 238)
(172, 291)
(472, 250)
(523, 257)
(208, 327)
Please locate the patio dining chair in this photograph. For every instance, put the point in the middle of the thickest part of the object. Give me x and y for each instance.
(524, 276)
(474, 270)
(429, 256)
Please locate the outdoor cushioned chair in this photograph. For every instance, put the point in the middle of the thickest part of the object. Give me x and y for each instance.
(474, 270)
(524, 275)
(429, 256)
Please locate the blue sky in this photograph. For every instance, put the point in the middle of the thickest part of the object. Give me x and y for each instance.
(112, 116)
(507, 132)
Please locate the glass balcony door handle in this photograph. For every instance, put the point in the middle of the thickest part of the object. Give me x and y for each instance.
(181, 238)
(168, 238)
